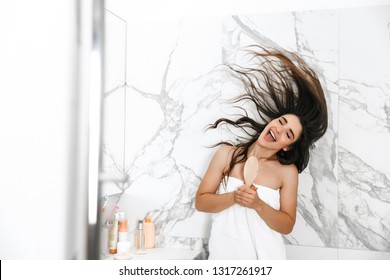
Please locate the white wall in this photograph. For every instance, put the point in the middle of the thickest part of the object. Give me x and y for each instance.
(38, 73)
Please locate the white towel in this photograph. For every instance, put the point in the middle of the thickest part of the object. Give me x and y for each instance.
(239, 232)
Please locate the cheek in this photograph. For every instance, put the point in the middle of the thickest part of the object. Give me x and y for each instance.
(261, 136)
(284, 138)
(286, 141)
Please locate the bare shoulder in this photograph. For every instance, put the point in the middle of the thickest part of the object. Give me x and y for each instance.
(289, 174)
(223, 156)
(224, 152)
(289, 170)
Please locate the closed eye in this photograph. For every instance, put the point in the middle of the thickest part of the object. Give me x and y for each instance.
(280, 121)
(292, 132)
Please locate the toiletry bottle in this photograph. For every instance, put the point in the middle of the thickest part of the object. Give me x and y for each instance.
(113, 236)
(140, 239)
(123, 229)
(150, 233)
(123, 245)
(105, 237)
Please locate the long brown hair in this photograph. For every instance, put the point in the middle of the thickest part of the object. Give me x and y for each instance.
(278, 83)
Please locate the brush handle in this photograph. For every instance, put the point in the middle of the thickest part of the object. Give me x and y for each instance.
(251, 168)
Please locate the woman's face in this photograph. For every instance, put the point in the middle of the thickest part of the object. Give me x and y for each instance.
(280, 133)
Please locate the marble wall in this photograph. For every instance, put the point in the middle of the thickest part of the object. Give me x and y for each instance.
(164, 86)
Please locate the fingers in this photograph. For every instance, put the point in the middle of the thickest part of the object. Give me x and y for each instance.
(251, 190)
(243, 202)
(246, 196)
(246, 189)
(243, 195)
(240, 197)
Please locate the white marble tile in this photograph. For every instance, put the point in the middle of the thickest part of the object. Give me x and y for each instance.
(364, 120)
(114, 137)
(151, 46)
(364, 205)
(197, 226)
(114, 100)
(166, 149)
(364, 185)
(149, 196)
(311, 228)
(115, 52)
(144, 117)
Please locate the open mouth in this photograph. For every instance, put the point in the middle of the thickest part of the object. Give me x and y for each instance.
(272, 135)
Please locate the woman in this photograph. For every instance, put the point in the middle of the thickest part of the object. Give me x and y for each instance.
(248, 223)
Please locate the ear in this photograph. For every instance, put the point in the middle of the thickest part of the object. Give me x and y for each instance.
(286, 148)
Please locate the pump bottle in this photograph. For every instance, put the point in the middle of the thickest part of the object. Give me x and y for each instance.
(150, 233)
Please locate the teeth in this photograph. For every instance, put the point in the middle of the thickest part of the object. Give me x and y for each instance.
(272, 134)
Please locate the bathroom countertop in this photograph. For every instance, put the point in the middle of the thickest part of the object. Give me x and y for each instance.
(163, 254)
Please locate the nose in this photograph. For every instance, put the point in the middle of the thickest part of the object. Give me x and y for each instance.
(281, 129)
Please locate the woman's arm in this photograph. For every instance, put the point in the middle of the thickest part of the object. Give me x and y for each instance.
(282, 220)
(206, 198)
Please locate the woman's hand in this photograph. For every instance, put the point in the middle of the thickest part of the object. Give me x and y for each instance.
(247, 197)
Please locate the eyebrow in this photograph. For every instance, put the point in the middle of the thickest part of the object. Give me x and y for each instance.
(292, 132)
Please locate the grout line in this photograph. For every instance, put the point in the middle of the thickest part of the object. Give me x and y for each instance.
(338, 135)
(124, 105)
(115, 15)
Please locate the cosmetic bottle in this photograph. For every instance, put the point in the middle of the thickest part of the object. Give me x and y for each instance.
(123, 231)
(105, 237)
(113, 236)
(140, 239)
(150, 233)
